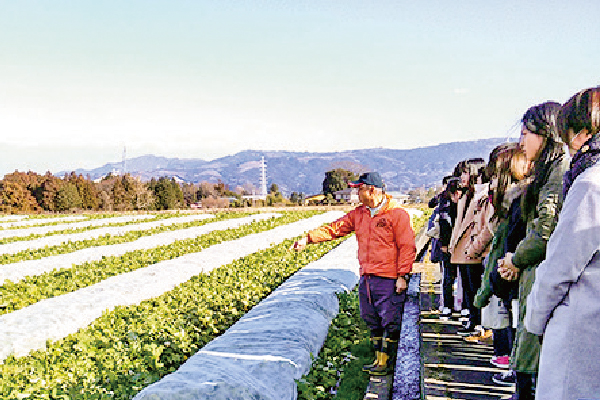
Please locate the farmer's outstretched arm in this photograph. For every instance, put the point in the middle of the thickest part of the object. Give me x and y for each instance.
(336, 229)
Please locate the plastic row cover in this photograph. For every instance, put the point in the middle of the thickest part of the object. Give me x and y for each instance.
(266, 350)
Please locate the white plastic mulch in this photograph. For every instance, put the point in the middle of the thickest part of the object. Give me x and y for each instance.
(38, 221)
(262, 355)
(17, 271)
(15, 217)
(54, 240)
(51, 319)
(42, 230)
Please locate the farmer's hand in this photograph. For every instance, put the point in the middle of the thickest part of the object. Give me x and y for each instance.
(299, 245)
(401, 284)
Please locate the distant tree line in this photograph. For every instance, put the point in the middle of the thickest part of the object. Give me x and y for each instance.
(29, 192)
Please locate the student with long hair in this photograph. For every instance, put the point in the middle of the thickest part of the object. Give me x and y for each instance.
(541, 204)
(483, 224)
(447, 216)
(469, 265)
(433, 225)
(564, 303)
(508, 168)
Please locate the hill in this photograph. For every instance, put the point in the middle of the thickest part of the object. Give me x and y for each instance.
(304, 171)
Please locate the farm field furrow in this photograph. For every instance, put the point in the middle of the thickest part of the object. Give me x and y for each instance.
(18, 271)
(72, 276)
(128, 348)
(42, 230)
(262, 354)
(54, 318)
(36, 221)
(14, 217)
(55, 240)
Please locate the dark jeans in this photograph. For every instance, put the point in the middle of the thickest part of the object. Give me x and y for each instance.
(380, 306)
(510, 331)
(525, 386)
(450, 272)
(502, 341)
(471, 281)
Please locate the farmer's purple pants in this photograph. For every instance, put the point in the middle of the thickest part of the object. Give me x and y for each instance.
(380, 306)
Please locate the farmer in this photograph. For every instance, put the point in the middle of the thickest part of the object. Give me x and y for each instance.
(386, 252)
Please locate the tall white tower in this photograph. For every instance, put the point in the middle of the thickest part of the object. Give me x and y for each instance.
(123, 166)
(263, 178)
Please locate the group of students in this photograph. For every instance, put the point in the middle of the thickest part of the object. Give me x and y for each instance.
(523, 232)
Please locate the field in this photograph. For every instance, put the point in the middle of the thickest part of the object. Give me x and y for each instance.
(103, 306)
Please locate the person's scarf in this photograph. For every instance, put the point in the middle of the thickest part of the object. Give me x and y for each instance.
(587, 156)
(514, 191)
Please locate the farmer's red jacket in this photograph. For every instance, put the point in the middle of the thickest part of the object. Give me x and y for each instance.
(386, 242)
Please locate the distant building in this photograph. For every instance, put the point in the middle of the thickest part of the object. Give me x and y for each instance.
(348, 195)
(254, 197)
(400, 197)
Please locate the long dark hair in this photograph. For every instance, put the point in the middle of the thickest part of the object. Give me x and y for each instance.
(505, 163)
(541, 120)
(582, 111)
(474, 166)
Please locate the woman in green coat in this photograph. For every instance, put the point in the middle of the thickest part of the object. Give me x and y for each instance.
(540, 207)
(509, 169)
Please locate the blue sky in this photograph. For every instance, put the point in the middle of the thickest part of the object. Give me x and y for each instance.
(82, 80)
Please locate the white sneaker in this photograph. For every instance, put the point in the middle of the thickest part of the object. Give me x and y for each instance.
(465, 312)
(446, 313)
(506, 378)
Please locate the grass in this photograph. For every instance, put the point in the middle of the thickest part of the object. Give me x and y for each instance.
(337, 371)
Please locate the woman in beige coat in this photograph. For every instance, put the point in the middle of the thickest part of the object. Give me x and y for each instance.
(469, 209)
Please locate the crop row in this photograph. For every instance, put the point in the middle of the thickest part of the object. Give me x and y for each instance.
(130, 347)
(91, 224)
(101, 231)
(103, 240)
(15, 296)
(38, 221)
(26, 221)
(56, 317)
(15, 272)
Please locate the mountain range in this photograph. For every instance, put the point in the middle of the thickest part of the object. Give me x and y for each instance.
(303, 172)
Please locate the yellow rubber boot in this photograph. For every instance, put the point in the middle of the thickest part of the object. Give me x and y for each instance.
(377, 342)
(387, 358)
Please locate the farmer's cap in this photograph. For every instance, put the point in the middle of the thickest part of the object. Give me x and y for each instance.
(368, 178)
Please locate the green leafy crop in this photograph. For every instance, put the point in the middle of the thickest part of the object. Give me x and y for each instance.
(15, 296)
(130, 347)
